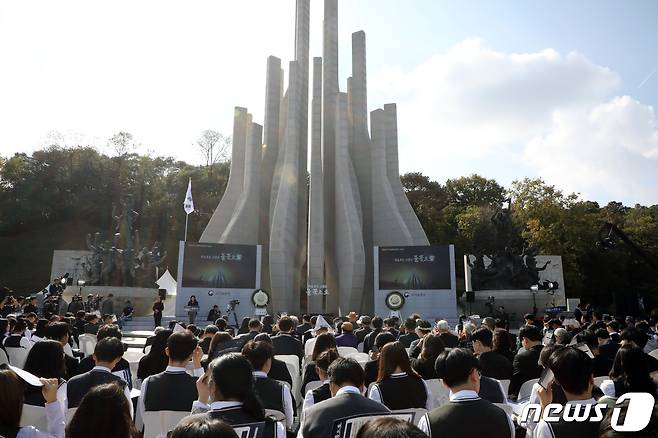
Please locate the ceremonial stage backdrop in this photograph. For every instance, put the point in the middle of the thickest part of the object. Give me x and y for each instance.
(217, 274)
(424, 276)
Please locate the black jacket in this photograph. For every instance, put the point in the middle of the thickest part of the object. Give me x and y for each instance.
(524, 368)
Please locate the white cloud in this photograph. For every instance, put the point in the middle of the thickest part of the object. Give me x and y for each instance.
(474, 109)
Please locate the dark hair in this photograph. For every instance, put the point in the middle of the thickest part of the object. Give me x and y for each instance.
(389, 427)
(181, 345)
(221, 324)
(156, 358)
(108, 349)
(232, 376)
(201, 426)
(325, 359)
(377, 322)
(614, 325)
(410, 324)
(217, 339)
(210, 329)
(455, 366)
(631, 370)
(244, 326)
(634, 335)
(306, 317)
(392, 356)
(572, 369)
(254, 324)
(530, 332)
(46, 359)
(597, 314)
(258, 353)
(11, 397)
(345, 370)
(286, 324)
(57, 330)
(19, 326)
(263, 337)
(588, 337)
(432, 347)
(546, 352)
(383, 338)
(323, 342)
(4, 325)
(501, 341)
(104, 412)
(484, 335)
(109, 331)
(602, 333)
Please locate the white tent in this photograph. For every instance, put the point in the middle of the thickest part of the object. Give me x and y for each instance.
(166, 281)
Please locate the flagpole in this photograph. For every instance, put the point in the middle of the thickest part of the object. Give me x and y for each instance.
(186, 217)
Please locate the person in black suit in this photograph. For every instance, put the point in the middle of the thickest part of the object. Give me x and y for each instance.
(526, 362)
(255, 328)
(369, 340)
(361, 333)
(278, 369)
(285, 342)
(423, 328)
(607, 347)
(304, 326)
(424, 364)
(492, 364)
(467, 414)
(173, 389)
(449, 340)
(107, 354)
(346, 385)
(88, 363)
(410, 333)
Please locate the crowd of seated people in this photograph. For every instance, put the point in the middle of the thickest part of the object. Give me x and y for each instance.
(220, 378)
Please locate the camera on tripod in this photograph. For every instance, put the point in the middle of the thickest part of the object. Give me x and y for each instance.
(232, 304)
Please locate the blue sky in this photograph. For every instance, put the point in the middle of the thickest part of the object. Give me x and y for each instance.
(506, 89)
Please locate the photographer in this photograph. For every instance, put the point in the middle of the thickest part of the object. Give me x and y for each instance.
(158, 308)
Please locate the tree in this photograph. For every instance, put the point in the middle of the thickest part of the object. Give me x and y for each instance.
(122, 143)
(474, 190)
(213, 146)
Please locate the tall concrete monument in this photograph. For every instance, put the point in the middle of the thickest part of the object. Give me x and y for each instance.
(320, 234)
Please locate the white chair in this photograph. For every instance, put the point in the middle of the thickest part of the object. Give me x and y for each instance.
(526, 389)
(34, 416)
(70, 412)
(599, 380)
(158, 423)
(345, 351)
(505, 407)
(359, 356)
(310, 386)
(277, 415)
(654, 353)
(147, 349)
(289, 359)
(440, 392)
(17, 356)
(296, 379)
(3, 357)
(87, 343)
(308, 347)
(360, 347)
(505, 384)
(417, 414)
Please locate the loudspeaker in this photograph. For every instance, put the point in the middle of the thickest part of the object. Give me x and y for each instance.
(470, 297)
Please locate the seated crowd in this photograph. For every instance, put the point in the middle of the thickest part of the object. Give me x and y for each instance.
(312, 378)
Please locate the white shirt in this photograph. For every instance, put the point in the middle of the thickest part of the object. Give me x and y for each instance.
(198, 372)
(544, 429)
(459, 396)
(608, 388)
(308, 399)
(287, 400)
(56, 424)
(221, 405)
(24, 342)
(375, 394)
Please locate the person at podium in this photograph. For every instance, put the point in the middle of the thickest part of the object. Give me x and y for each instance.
(192, 309)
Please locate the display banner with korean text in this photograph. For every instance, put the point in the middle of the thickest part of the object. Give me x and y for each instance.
(218, 273)
(415, 279)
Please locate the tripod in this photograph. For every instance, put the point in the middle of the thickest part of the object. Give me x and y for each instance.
(230, 309)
